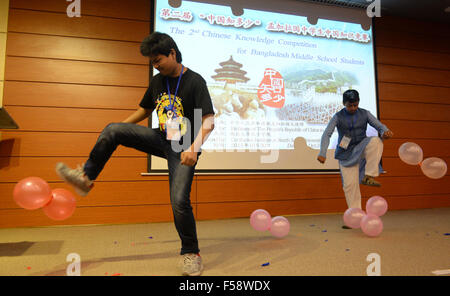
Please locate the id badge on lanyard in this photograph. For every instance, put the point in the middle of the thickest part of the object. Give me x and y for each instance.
(173, 130)
(346, 139)
(172, 124)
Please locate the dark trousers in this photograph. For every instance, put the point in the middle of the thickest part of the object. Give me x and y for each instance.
(152, 141)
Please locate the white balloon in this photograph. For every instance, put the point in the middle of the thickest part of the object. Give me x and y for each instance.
(410, 153)
(434, 167)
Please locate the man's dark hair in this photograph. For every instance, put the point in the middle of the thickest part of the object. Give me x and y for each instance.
(351, 96)
(159, 43)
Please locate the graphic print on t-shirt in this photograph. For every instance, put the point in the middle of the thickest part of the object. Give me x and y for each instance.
(170, 109)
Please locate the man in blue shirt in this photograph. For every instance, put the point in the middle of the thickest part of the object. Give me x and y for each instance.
(355, 150)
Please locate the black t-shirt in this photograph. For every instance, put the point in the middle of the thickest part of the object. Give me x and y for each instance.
(191, 103)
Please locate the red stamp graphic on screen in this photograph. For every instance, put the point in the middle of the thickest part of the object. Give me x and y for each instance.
(271, 89)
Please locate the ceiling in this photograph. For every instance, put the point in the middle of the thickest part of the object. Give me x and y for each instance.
(427, 10)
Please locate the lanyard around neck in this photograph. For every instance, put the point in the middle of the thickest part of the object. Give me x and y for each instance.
(176, 89)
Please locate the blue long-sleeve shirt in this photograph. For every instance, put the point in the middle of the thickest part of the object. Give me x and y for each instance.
(355, 125)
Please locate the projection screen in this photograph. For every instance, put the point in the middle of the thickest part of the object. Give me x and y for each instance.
(276, 73)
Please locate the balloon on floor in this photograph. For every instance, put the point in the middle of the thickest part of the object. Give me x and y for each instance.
(353, 216)
(369, 221)
(260, 220)
(371, 225)
(376, 205)
(280, 226)
(32, 193)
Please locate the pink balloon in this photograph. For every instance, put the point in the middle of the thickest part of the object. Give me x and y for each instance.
(376, 205)
(62, 205)
(353, 216)
(371, 225)
(410, 153)
(280, 226)
(434, 167)
(260, 220)
(32, 193)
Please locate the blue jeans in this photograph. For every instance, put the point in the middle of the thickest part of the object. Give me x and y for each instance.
(152, 141)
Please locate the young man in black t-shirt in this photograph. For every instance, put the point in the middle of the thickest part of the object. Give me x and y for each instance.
(186, 118)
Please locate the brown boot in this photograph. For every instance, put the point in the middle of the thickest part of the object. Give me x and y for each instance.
(370, 181)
